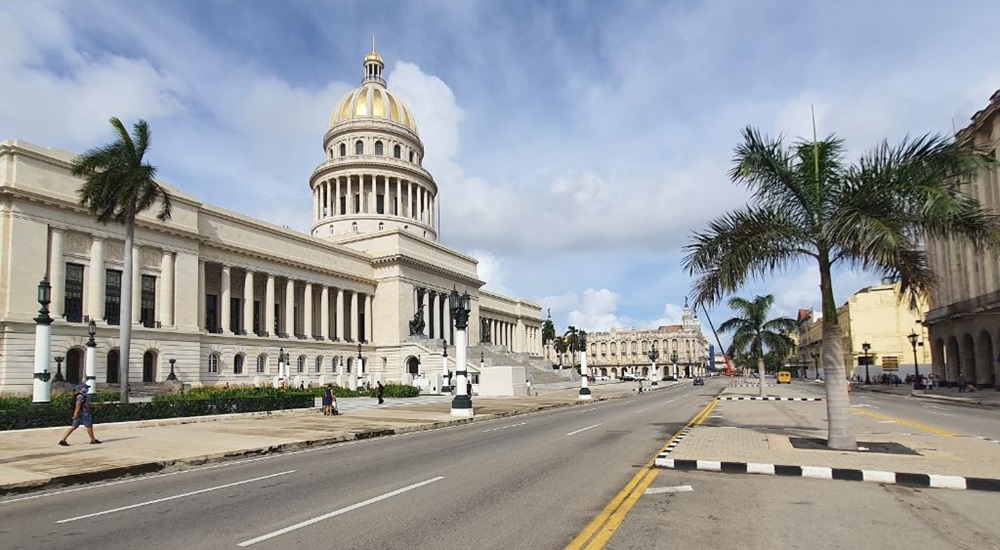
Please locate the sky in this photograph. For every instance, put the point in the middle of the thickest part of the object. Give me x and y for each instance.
(577, 145)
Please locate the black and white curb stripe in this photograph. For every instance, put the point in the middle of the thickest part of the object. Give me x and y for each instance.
(749, 385)
(726, 398)
(673, 444)
(818, 472)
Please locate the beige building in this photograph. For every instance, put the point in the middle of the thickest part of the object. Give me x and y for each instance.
(873, 315)
(964, 317)
(217, 294)
(619, 352)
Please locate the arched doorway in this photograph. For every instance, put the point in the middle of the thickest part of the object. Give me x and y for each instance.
(74, 366)
(968, 362)
(149, 366)
(412, 366)
(953, 362)
(113, 366)
(985, 376)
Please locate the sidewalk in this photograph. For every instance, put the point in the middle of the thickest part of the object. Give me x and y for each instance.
(979, 398)
(31, 459)
(788, 438)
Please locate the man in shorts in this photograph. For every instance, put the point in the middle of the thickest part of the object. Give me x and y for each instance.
(81, 415)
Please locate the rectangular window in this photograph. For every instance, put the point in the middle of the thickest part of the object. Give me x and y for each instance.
(112, 296)
(235, 319)
(277, 319)
(73, 300)
(357, 203)
(147, 309)
(256, 318)
(343, 205)
(211, 313)
(380, 204)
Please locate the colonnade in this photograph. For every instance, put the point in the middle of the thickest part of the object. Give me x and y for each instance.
(374, 193)
(436, 314)
(286, 307)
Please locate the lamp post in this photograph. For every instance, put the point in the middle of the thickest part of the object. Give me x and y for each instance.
(460, 307)
(361, 365)
(445, 376)
(581, 346)
(172, 376)
(912, 337)
(673, 359)
(40, 389)
(90, 367)
(865, 346)
(59, 375)
(653, 356)
(281, 363)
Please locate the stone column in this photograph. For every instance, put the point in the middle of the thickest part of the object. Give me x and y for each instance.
(340, 314)
(354, 316)
(95, 280)
(201, 294)
(410, 202)
(307, 311)
(446, 323)
(369, 323)
(57, 274)
(248, 303)
(336, 198)
(226, 294)
(324, 312)
(427, 311)
(433, 326)
(166, 307)
(269, 306)
(288, 327)
(136, 286)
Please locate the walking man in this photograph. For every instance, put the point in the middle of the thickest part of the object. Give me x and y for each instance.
(380, 391)
(81, 415)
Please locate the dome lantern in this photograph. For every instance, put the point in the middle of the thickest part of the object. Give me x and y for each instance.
(374, 66)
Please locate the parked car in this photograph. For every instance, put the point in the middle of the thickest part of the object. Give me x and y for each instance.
(699, 381)
(784, 377)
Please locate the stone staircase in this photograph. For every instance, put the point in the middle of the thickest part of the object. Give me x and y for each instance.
(539, 370)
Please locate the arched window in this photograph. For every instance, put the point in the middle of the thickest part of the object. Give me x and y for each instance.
(319, 363)
(301, 367)
(397, 151)
(378, 148)
(343, 149)
(261, 363)
(359, 147)
(593, 349)
(604, 348)
(238, 364)
(644, 348)
(113, 367)
(411, 156)
(381, 226)
(354, 227)
(635, 347)
(614, 348)
(334, 364)
(213, 363)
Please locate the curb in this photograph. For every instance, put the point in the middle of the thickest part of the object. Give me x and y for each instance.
(817, 472)
(769, 398)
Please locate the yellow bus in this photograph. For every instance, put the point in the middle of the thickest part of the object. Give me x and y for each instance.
(784, 377)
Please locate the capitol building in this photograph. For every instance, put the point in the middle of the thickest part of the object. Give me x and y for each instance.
(221, 297)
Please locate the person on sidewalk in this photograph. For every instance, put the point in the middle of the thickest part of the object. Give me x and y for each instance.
(380, 392)
(328, 400)
(961, 383)
(81, 415)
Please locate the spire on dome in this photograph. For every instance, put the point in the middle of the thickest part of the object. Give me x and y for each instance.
(373, 66)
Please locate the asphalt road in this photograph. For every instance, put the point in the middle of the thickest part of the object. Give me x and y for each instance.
(959, 419)
(531, 481)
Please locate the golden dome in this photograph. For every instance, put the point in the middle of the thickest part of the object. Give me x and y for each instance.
(374, 57)
(373, 100)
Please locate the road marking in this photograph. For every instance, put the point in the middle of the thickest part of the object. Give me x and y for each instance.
(886, 421)
(941, 414)
(599, 531)
(916, 425)
(504, 427)
(335, 513)
(588, 410)
(639, 410)
(677, 489)
(165, 499)
(583, 429)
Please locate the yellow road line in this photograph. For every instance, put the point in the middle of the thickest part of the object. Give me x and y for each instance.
(599, 531)
(916, 425)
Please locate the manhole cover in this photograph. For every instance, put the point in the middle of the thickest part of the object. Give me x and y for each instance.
(885, 447)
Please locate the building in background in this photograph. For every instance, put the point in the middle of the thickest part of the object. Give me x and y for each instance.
(619, 352)
(964, 316)
(223, 297)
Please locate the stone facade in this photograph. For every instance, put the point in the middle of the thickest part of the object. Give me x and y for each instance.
(220, 294)
(965, 305)
(619, 352)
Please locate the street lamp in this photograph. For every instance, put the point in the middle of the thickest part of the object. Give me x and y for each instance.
(172, 376)
(446, 377)
(461, 306)
(815, 356)
(581, 346)
(916, 366)
(281, 363)
(361, 364)
(865, 347)
(653, 356)
(59, 375)
(91, 367)
(673, 359)
(40, 389)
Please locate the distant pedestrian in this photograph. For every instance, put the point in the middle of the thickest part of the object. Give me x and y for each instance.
(328, 400)
(380, 392)
(81, 415)
(961, 383)
(929, 382)
(640, 385)
(528, 383)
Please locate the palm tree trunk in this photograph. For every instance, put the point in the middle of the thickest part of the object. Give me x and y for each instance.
(840, 427)
(125, 315)
(760, 373)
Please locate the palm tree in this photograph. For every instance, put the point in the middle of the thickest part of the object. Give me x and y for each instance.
(548, 333)
(560, 346)
(754, 334)
(118, 186)
(809, 204)
(572, 338)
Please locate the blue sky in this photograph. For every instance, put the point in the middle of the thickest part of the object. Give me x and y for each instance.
(576, 145)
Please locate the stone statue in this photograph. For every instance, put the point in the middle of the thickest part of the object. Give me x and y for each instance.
(484, 332)
(417, 323)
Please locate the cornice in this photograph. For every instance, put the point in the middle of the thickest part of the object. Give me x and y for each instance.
(402, 259)
(371, 162)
